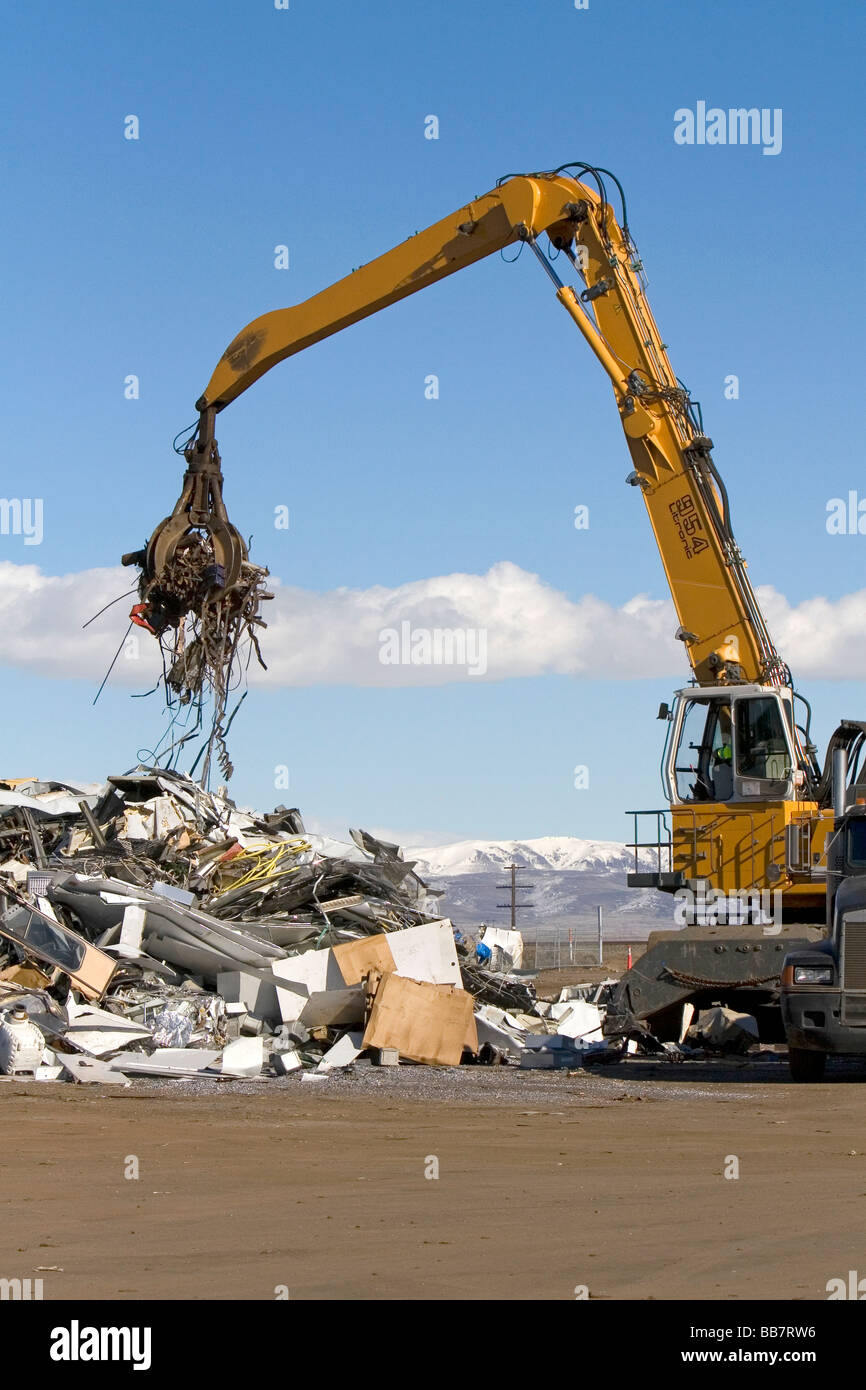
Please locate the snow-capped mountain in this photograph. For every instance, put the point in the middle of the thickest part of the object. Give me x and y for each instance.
(565, 878)
(547, 852)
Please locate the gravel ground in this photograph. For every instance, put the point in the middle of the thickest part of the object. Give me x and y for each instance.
(613, 1181)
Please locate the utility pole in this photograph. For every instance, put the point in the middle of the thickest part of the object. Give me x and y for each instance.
(514, 888)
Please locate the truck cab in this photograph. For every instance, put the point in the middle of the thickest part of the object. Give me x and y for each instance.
(823, 987)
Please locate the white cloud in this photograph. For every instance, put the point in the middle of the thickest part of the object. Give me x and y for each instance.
(820, 638)
(529, 629)
(335, 637)
(41, 618)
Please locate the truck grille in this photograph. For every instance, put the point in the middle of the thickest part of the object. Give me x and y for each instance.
(854, 956)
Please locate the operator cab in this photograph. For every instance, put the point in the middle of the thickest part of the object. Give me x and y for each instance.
(732, 744)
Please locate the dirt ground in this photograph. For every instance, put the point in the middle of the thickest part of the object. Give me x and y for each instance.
(546, 1182)
(548, 983)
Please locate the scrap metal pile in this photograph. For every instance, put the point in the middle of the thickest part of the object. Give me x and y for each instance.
(151, 928)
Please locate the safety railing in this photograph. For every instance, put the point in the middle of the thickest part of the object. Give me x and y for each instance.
(704, 850)
(662, 844)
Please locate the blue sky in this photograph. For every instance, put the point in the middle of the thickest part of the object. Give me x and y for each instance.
(306, 127)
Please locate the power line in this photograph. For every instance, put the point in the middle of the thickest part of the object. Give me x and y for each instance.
(514, 888)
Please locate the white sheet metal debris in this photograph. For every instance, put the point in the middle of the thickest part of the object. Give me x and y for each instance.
(725, 1029)
(552, 1051)
(176, 1062)
(506, 948)
(91, 1069)
(578, 1020)
(344, 1052)
(243, 1057)
(99, 1032)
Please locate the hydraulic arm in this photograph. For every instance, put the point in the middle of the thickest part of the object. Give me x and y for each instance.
(721, 623)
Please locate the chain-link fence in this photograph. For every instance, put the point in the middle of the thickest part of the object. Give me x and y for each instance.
(559, 949)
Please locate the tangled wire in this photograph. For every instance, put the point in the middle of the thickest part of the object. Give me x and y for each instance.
(209, 649)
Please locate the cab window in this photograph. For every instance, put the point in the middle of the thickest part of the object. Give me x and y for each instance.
(762, 749)
(856, 847)
(703, 766)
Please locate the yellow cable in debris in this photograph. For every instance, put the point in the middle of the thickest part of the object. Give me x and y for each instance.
(266, 860)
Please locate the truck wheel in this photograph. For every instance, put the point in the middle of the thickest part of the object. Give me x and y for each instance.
(805, 1065)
